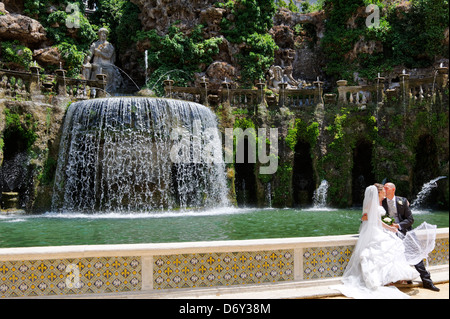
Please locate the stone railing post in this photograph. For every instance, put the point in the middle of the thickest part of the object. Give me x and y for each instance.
(442, 76)
(380, 89)
(204, 91)
(282, 94)
(226, 86)
(168, 85)
(61, 82)
(3, 83)
(404, 88)
(34, 81)
(342, 90)
(101, 84)
(318, 96)
(260, 94)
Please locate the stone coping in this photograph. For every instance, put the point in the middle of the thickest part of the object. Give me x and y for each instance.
(36, 253)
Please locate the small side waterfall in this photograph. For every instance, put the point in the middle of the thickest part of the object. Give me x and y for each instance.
(133, 154)
(425, 191)
(320, 195)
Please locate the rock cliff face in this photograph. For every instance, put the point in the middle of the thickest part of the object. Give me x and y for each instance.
(160, 14)
(14, 26)
(28, 31)
(298, 51)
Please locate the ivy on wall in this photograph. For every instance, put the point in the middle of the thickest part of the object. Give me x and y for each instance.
(252, 21)
(412, 36)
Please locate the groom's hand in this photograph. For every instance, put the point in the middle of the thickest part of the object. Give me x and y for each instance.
(364, 217)
(396, 225)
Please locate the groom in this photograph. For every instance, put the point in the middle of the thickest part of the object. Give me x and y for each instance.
(398, 207)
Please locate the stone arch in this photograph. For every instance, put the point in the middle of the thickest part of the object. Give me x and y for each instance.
(303, 182)
(362, 171)
(426, 164)
(15, 173)
(245, 179)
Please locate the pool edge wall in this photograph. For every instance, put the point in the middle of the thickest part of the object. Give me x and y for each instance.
(95, 269)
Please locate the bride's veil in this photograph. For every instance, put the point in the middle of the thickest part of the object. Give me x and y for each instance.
(367, 232)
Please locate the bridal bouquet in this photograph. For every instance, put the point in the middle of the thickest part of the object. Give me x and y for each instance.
(387, 220)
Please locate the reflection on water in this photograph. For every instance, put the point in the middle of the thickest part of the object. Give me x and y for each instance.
(54, 229)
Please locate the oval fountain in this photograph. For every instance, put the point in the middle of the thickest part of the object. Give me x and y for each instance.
(133, 154)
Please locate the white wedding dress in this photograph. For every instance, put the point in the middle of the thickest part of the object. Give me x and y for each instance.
(378, 258)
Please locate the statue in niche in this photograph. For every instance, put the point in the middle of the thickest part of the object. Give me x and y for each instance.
(100, 60)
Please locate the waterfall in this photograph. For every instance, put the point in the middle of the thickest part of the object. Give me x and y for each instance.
(269, 194)
(116, 155)
(425, 191)
(320, 195)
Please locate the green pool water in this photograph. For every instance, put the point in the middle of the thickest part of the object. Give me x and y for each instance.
(53, 229)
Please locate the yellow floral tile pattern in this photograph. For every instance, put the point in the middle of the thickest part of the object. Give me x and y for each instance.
(439, 256)
(70, 276)
(325, 262)
(222, 269)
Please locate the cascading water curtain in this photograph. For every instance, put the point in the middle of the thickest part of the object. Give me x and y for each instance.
(139, 154)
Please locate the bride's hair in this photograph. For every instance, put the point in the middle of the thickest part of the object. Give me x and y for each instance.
(380, 187)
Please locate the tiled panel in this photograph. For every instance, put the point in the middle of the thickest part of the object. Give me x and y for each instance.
(439, 256)
(222, 269)
(325, 262)
(70, 276)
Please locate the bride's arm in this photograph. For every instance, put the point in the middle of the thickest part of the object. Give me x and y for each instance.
(390, 228)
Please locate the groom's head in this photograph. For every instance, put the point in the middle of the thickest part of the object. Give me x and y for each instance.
(390, 190)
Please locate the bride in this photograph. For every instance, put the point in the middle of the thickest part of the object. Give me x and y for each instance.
(379, 256)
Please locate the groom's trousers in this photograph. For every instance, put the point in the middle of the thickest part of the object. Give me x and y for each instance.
(424, 274)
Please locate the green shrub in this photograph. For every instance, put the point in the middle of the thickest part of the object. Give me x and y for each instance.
(177, 55)
(252, 22)
(16, 53)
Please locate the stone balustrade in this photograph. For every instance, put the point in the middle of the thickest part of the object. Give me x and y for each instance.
(35, 86)
(42, 87)
(406, 89)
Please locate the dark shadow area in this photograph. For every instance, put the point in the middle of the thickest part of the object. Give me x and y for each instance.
(362, 172)
(245, 180)
(303, 175)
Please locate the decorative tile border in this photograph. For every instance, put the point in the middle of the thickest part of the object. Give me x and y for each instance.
(439, 256)
(222, 269)
(69, 276)
(41, 271)
(325, 262)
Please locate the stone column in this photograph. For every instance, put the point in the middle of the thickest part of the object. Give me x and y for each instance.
(204, 91)
(34, 81)
(260, 86)
(168, 84)
(282, 94)
(404, 89)
(61, 82)
(442, 76)
(101, 84)
(342, 91)
(318, 92)
(380, 89)
(225, 92)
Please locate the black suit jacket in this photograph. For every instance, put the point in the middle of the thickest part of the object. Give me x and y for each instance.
(405, 216)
